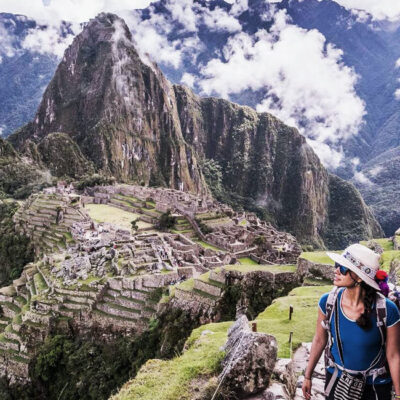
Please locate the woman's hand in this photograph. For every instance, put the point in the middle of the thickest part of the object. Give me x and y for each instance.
(307, 384)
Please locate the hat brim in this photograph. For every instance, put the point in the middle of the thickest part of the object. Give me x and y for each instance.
(346, 263)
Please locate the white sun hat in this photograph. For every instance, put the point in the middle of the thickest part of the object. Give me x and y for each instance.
(361, 260)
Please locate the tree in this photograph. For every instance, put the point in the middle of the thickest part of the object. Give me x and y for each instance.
(134, 224)
(166, 221)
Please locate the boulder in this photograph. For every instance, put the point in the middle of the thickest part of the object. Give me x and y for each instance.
(249, 361)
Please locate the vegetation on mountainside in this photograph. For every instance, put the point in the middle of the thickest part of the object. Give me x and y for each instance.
(212, 172)
(18, 178)
(15, 250)
(166, 221)
(94, 180)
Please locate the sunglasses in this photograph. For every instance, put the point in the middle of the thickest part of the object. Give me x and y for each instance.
(343, 270)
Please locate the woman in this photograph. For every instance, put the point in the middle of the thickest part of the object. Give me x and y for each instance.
(356, 342)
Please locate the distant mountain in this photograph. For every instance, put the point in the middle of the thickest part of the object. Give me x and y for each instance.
(108, 110)
(23, 75)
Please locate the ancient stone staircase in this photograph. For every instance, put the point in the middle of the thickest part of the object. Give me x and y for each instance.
(40, 219)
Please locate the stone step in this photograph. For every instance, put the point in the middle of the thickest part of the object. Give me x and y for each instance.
(126, 302)
(77, 293)
(87, 301)
(10, 310)
(207, 288)
(118, 310)
(70, 305)
(8, 344)
(194, 296)
(13, 336)
(218, 276)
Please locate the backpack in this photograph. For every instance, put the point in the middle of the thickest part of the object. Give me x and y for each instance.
(381, 323)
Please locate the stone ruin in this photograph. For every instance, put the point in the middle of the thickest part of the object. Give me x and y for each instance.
(99, 275)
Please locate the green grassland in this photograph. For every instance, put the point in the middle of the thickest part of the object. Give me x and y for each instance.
(247, 260)
(318, 257)
(114, 215)
(385, 243)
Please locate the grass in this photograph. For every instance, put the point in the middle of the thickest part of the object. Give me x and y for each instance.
(319, 257)
(251, 268)
(275, 319)
(206, 278)
(247, 260)
(385, 243)
(186, 285)
(207, 245)
(40, 283)
(170, 380)
(114, 215)
(387, 258)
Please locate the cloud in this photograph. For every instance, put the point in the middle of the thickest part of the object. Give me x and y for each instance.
(219, 20)
(304, 80)
(375, 171)
(188, 79)
(7, 43)
(378, 9)
(362, 179)
(53, 12)
(183, 18)
(47, 40)
(397, 94)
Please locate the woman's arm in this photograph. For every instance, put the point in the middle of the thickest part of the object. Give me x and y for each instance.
(317, 347)
(393, 354)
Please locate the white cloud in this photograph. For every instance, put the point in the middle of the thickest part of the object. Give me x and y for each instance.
(220, 20)
(397, 64)
(329, 156)
(74, 11)
(47, 40)
(185, 16)
(362, 179)
(375, 171)
(379, 9)
(304, 78)
(51, 13)
(188, 79)
(397, 94)
(7, 43)
(239, 7)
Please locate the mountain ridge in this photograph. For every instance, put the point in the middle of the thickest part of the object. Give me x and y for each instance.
(130, 122)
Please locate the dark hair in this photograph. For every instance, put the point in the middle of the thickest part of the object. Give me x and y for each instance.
(364, 321)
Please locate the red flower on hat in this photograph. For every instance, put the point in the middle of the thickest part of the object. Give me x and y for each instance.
(381, 275)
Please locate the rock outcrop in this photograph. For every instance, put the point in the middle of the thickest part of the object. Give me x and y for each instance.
(123, 117)
(249, 362)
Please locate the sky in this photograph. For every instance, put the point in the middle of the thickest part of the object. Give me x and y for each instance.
(303, 78)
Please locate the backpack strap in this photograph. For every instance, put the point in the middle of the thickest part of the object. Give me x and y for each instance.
(381, 315)
(329, 308)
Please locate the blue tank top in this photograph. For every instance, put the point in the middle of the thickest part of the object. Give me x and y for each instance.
(360, 347)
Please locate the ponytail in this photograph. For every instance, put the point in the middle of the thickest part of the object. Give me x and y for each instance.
(364, 321)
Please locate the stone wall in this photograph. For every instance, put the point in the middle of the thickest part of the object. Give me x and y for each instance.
(308, 268)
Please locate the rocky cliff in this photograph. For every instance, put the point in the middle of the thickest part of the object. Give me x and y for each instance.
(119, 115)
(270, 165)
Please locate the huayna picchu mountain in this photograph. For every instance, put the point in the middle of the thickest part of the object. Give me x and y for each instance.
(117, 114)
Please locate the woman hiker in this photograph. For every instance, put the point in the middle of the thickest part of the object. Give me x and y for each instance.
(360, 331)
